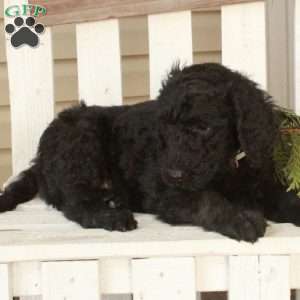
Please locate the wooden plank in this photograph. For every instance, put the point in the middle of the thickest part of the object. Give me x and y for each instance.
(212, 273)
(5, 284)
(64, 42)
(41, 220)
(2, 37)
(99, 63)
(64, 105)
(65, 80)
(164, 278)
(279, 41)
(275, 281)
(297, 56)
(206, 31)
(71, 11)
(166, 46)
(135, 70)
(133, 36)
(30, 73)
(72, 280)
(204, 57)
(5, 165)
(152, 239)
(244, 40)
(115, 276)
(244, 278)
(4, 97)
(26, 279)
(5, 141)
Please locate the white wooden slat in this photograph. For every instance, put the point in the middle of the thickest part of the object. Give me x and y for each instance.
(244, 278)
(115, 276)
(244, 39)
(212, 273)
(71, 280)
(170, 40)
(275, 280)
(297, 55)
(164, 278)
(5, 285)
(295, 271)
(26, 279)
(99, 63)
(30, 73)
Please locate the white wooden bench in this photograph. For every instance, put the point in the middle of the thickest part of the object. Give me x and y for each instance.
(44, 256)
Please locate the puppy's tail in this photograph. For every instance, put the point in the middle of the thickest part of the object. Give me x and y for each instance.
(22, 189)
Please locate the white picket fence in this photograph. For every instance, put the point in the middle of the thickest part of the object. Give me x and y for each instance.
(43, 256)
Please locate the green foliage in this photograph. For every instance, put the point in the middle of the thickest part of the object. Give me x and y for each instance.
(287, 150)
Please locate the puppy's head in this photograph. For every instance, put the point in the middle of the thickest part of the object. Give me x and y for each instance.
(209, 113)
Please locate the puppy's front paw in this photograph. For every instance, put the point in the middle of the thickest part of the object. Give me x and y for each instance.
(121, 220)
(247, 226)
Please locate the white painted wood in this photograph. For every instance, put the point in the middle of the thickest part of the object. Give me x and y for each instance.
(164, 278)
(212, 273)
(99, 63)
(115, 276)
(244, 39)
(5, 285)
(35, 220)
(30, 73)
(275, 279)
(295, 271)
(26, 279)
(244, 278)
(72, 280)
(297, 56)
(170, 40)
(152, 238)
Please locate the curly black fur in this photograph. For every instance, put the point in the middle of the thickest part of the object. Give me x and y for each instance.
(174, 157)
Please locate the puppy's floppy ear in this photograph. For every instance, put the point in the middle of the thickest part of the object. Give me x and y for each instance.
(255, 122)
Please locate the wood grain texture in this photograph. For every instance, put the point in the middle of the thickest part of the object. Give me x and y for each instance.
(71, 11)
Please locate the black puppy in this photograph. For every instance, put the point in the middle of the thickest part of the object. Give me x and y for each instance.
(174, 157)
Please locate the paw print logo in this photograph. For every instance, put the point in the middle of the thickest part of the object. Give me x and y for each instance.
(24, 32)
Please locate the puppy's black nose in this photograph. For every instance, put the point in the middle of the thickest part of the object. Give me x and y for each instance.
(175, 174)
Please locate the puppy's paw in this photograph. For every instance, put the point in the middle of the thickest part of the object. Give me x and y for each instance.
(120, 220)
(247, 226)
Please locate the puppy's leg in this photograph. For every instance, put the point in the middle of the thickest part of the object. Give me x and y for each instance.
(92, 210)
(281, 206)
(214, 213)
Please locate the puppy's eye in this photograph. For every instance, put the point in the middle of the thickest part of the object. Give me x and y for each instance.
(202, 130)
